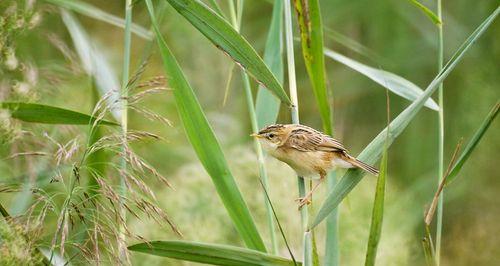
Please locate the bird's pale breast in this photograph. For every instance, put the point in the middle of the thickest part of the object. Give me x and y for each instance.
(306, 164)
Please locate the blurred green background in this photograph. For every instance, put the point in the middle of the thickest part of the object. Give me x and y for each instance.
(404, 42)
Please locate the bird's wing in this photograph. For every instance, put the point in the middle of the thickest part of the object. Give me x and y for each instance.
(331, 144)
(307, 139)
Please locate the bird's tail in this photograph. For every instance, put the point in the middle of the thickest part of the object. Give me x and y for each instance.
(368, 168)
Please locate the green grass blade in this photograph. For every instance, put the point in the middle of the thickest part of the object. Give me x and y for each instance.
(391, 81)
(214, 254)
(267, 105)
(308, 249)
(294, 110)
(315, 253)
(377, 214)
(217, 8)
(433, 17)
(122, 190)
(373, 151)
(45, 114)
(205, 144)
(427, 245)
(261, 160)
(260, 154)
(311, 35)
(352, 44)
(332, 247)
(96, 13)
(440, 135)
(472, 144)
(225, 37)
(94, 62)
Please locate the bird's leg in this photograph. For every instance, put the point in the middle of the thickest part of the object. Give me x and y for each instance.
(307, 199)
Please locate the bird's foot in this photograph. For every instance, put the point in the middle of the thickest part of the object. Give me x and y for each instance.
(303, 201)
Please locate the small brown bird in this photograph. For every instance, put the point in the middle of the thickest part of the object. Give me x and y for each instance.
(309, 152)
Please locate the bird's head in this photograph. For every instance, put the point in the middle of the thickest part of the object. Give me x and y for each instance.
(272, 136)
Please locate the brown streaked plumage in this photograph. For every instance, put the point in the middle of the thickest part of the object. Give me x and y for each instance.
(309, 152)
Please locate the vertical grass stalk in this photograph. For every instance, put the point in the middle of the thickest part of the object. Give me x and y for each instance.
(232, 13)
(332, 248)
(307, 241)
(124, 124)
(255, 129)
(261, 160)
(439, 220)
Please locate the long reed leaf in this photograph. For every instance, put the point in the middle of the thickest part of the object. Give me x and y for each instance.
(388, 80)
(311, 35)
(377, 214)
(225, 37)
(94, 62)
(267, 105)
(205, 144)
(45, 114)
(373, 151)
(217, 8)
(214, 254)
(378, 202)
(99, 14)
(352, 44)
(258, 148)
(472, 144)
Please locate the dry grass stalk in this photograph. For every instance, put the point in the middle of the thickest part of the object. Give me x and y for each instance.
(432, 208)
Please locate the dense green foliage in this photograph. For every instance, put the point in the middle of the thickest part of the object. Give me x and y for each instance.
(89, 166)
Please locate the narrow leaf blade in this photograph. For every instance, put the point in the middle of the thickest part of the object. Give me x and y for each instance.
(472, 144)
(311, 35)
(45, 114)
(99, 14)
(225, 37)
(433, 17)
(373, 151)
(209, 253)
(267, 105)
(391, 81)
(94, 62)
(377, 214)
(205, 144)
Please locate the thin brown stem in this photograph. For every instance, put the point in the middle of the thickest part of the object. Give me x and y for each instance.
(432, 208)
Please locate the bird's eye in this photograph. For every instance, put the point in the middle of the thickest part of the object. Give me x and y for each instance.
(270, 136)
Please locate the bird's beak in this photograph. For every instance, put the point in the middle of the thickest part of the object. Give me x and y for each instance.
(255, 135)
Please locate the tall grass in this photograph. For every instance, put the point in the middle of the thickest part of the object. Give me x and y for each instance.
(236, 18)
(292, 83)
(103, 215)
(205, 143)
(124, 123)
(439, 222)
(372, 152)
